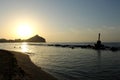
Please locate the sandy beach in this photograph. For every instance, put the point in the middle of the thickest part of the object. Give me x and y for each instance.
(18, 66)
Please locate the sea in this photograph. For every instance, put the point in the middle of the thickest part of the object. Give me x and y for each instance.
(72, 64)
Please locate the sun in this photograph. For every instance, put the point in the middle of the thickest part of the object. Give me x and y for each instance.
(24, 30)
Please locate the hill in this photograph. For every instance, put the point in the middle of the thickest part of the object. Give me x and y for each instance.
(36, 38)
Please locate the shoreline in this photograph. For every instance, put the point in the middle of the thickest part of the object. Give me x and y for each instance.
(18, 66)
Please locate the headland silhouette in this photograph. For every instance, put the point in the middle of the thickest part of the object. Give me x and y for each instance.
(35, 38)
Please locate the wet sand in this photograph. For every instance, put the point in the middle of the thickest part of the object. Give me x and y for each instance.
(18, 66)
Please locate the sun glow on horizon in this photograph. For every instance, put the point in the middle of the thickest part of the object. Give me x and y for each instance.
(24, 31)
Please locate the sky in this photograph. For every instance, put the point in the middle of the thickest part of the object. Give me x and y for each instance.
(61, 20)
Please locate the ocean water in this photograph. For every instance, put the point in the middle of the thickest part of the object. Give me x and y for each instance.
(72, 64)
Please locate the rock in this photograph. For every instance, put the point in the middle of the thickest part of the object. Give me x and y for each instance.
(36, 38)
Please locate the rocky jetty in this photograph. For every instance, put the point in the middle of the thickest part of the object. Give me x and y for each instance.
(97, 46)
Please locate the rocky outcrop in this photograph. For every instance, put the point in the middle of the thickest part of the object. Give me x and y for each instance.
(36, 38)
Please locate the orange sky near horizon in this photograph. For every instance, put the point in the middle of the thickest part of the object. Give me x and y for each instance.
(19, 28)
(60, 20)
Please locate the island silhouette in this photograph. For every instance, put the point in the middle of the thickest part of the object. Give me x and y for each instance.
(35, 38)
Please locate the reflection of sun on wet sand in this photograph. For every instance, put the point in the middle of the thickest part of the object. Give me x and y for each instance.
(18, 66)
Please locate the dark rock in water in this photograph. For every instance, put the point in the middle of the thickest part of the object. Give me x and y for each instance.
(36, 38)
(113, 48)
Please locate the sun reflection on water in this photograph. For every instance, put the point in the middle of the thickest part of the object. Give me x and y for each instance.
(24, 47)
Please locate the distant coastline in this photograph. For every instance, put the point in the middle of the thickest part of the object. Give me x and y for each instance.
(35, 38)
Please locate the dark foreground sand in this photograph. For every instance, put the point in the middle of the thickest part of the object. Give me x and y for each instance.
(18, 66)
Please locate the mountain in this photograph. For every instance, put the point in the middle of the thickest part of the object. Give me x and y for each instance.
(36, 38)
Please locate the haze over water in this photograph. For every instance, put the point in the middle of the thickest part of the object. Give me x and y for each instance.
(72, 64)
